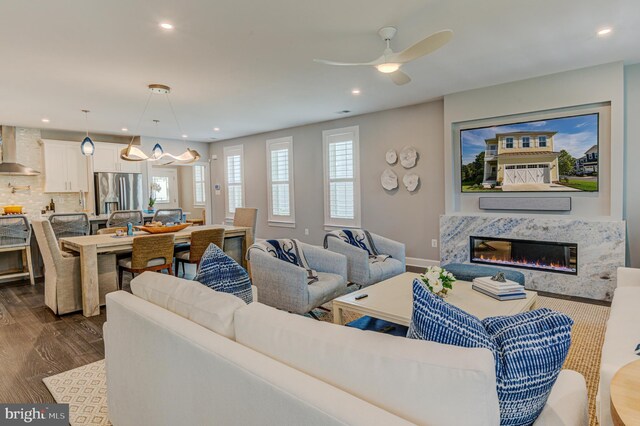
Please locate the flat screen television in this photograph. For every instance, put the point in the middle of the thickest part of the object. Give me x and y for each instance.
(558, 154)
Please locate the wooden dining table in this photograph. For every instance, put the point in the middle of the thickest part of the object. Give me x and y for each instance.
(90, 246)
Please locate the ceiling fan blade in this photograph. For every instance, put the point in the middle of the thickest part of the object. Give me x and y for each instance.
(399, 78)
(430, 44)
(346, 64)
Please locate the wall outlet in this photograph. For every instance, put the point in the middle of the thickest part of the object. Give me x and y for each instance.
(306, 231)
(434, 243)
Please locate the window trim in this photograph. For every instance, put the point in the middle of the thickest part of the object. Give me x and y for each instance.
(204, 184)
(330, 223)
(279, 220)
(229, 151)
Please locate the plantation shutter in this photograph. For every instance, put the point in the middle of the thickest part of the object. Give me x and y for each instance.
(199, 184)
(341, 180)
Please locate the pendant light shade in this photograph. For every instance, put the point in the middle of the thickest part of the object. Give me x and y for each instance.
(87, 146)
(157, 151)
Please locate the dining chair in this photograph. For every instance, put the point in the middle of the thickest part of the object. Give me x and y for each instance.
(168, 216)
(150, 253)
(70, 224)
(15, 235)
(120, 218)
(245, 216)
(200, 240)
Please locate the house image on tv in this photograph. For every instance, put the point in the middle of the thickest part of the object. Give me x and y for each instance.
(520, 158)
(588, 164)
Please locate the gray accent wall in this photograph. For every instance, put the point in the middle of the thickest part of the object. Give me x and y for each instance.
(411, 218)
(631, 158)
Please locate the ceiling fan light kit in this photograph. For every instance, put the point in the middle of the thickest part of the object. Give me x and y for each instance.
(390, 62)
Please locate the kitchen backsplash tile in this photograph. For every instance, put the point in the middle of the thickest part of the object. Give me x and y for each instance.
(30, 153)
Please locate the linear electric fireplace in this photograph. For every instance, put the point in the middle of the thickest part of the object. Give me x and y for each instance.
(540, 255)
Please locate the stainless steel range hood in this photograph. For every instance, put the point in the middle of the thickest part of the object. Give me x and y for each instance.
(8, 146)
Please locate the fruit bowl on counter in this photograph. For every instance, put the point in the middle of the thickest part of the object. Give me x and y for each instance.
(160, 228)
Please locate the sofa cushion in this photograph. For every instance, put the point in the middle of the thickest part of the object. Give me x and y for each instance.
(423, 382)
(328, 287)
(532, 347)
(189, 299)
(221, 273)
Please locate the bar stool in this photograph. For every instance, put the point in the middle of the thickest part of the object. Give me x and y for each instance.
(15, 235)
(120, 218)
(70, 224)
(168, 216)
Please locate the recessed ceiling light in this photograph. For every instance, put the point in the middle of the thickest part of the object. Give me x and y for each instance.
(166, 26)
(604, 31)
(216, 129)
(124, 129)
(355, 92)
(45, 120)
(185, 136)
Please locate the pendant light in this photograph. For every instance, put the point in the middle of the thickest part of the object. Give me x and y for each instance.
(133, 153)
(157, 151)
(87, 146)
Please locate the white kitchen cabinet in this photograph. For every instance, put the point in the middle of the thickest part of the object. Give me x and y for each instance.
(106, 158)
(65, 167)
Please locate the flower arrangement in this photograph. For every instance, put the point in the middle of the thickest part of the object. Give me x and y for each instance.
(153, 188)
(439, 281)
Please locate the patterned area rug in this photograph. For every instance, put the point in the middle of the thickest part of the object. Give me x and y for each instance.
(84, 388)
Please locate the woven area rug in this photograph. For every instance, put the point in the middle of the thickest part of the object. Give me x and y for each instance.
(84, 388)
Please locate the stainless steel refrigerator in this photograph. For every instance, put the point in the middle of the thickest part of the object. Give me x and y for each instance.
(118, 191)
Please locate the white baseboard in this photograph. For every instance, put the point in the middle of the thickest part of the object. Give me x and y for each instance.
(421, 263)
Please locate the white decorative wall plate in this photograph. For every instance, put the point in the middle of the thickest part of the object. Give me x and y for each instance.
(408, 157)
(411, 181)
(391, 156)
(389, 180)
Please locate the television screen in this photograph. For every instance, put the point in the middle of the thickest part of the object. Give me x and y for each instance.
(559, 154)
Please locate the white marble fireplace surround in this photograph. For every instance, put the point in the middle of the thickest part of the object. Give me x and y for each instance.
(601, 248)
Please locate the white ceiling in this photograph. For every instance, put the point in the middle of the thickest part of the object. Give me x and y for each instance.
(246, 65)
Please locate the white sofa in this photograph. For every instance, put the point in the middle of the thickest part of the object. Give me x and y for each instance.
(621, 338)
(218, 361)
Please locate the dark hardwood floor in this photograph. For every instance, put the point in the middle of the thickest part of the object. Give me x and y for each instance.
(35, 343)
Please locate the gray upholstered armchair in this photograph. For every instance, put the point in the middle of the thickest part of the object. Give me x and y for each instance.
(363, 271)
(285, 286)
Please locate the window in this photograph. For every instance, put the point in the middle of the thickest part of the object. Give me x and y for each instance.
(199, 172)
(280, 182)
(526, 141)
(161, 189)
(341, 160)
(542, 141)
(509, 143)
(233, 179)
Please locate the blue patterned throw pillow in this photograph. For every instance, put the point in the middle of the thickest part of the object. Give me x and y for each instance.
(221, 273)
(532, 347)
(529, 349)
(435, 320)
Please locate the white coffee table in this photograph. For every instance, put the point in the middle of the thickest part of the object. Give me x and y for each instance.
(392, 300)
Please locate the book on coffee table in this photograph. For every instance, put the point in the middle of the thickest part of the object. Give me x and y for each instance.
(503, 296)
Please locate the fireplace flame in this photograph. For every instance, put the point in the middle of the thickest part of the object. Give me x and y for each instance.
(524, 262)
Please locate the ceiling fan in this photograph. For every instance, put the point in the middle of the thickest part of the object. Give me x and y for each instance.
(390, 61)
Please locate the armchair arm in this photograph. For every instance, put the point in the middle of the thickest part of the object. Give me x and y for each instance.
(280, 284)
(628, 277)
(387, 246)
(323, 260)
(357, 260)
